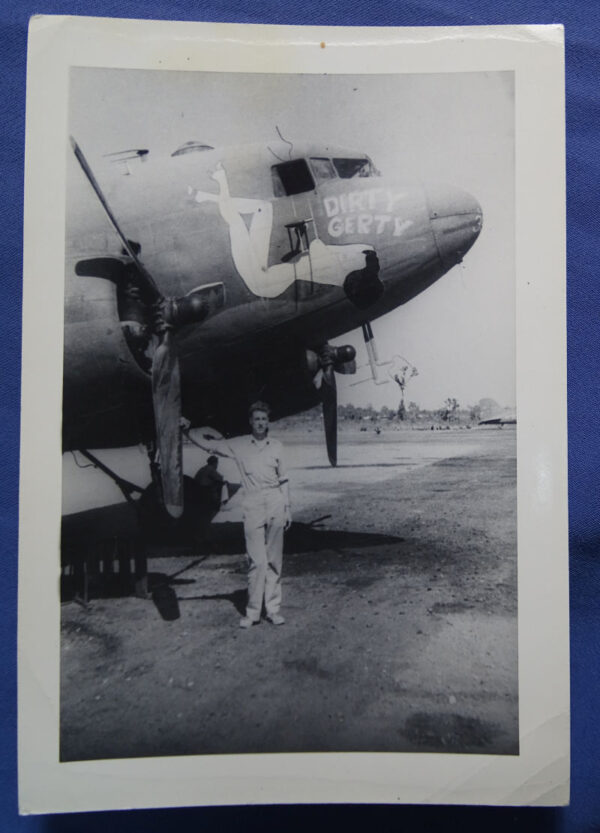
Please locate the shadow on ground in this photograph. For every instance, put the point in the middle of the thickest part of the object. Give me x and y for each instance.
(228, 539)
(119, 521)
(114, 529)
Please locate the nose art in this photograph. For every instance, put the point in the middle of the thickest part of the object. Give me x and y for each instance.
(456, 219)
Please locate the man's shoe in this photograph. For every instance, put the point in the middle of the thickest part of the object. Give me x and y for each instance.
(246, 622)
(276, 619)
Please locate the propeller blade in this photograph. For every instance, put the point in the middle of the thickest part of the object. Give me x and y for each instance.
(329, 401)
(166, 396)
(166, 379)
(147, 277)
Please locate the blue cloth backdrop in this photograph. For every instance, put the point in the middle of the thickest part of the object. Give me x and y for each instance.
(582, 21)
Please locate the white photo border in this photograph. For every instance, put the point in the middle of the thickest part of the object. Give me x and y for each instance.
(539, 775)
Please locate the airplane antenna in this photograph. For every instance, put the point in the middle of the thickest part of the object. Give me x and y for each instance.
(284, 140)
(275, 155)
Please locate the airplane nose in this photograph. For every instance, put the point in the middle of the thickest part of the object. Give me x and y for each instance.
(456, 219)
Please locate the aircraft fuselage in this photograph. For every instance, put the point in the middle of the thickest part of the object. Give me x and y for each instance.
(309, 244)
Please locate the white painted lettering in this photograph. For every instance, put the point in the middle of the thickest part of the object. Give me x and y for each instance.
(393, 198)
(364, 223)
(401, 225)
(355, 201)
(331, 206)
(336, 227)
(350, 225)
(381, 220)
(373, 195)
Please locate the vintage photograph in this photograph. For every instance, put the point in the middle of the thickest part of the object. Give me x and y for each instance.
(289, 422)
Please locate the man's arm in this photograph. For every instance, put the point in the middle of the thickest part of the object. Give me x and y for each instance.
(284, 485)
(287, 512)
(212, 445)
(215, 445)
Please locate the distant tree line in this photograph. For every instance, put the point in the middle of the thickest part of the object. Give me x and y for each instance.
(450, 413)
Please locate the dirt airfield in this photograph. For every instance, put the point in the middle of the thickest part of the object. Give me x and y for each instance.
(401, 609)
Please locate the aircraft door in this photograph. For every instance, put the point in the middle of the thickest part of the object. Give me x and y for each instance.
(293, 221)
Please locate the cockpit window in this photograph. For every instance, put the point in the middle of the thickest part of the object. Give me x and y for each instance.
(322, 168)
(349, 168)
(292, 178)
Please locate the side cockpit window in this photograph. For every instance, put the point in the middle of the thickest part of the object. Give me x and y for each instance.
(292, 178)
(350, 168)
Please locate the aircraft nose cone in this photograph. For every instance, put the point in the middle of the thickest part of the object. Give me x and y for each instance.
(456, 219)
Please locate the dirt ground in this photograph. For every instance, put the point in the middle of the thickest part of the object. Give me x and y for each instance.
(401, 611)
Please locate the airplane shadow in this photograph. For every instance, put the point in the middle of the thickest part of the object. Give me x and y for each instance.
(237, 598)
(381, 465)
(93, 542)
(118, 522)
(228, 539)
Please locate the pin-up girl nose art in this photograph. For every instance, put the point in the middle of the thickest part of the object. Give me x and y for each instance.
(323, 264)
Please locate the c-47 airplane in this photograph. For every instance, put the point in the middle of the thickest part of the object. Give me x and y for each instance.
(213, 277)
(507, 418)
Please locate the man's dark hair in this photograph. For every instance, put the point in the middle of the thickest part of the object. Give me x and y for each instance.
(212, 460)
(259, 406)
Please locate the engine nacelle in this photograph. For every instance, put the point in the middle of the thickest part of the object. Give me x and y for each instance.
(341, 358)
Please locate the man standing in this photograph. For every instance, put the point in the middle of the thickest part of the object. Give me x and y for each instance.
(267, 513)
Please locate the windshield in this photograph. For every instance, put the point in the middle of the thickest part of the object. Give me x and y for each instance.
(349, 168)
(322, 168)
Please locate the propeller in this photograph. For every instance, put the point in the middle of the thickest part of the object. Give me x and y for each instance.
(166, 401)
(325, 363)
(329, 403)
(169, 314)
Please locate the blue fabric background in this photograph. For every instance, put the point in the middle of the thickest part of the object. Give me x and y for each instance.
(582, 21)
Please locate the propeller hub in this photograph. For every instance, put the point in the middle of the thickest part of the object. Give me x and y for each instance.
(187, 310)
(344, 354)
(330, 356)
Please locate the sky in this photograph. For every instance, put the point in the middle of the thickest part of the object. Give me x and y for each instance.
(455, 128)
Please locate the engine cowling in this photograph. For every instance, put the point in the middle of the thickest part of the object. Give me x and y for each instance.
(342, 358)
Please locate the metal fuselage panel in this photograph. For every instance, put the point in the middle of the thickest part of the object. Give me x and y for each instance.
(213, 216)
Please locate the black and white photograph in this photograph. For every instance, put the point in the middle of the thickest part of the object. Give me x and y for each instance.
(290, 338)
(289, 423)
